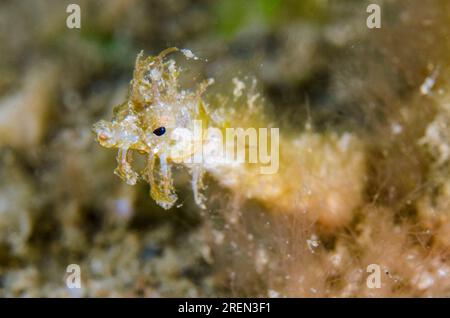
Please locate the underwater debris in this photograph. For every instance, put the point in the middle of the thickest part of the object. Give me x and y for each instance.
(430, 81)
(313, 243)
(188, 54)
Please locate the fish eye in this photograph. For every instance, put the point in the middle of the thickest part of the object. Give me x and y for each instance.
(159, 131)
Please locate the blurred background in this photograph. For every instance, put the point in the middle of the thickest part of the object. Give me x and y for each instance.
(60, 202)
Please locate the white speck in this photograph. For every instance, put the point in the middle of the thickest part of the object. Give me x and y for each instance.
(429, 82)
(172, 68)
(313, 243)
(344, 142)
(273, 293)
(261, 260)
(124, 208)
(218, 237)
(188, 53)
(239, 86)
(425, 281)
(442, 272)
(396, 128)
(336, 259)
